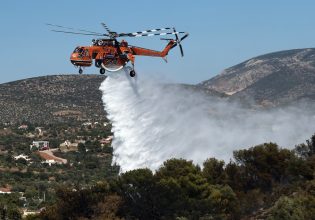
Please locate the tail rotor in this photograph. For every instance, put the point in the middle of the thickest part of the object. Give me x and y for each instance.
(178, 41)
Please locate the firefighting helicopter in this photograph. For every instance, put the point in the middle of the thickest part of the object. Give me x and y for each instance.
(111, 55)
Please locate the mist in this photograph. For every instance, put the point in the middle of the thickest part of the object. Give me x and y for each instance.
(153, 121)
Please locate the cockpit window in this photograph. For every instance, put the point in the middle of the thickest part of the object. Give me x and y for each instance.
(78, 50)
(85, 52)
(81, 51)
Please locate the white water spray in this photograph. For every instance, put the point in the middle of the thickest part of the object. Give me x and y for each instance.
(153, 122)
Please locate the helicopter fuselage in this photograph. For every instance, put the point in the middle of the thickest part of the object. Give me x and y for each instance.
(112, 55)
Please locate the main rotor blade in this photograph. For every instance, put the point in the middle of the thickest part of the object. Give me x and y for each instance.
(70, 28)
(106, 28)
(150, 35)
(146, 31)
(70, 32)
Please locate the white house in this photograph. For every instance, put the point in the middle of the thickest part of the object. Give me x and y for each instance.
(40, 145)
(25, 157)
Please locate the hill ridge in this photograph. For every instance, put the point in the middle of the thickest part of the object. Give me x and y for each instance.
(53, 98)
(262, 77)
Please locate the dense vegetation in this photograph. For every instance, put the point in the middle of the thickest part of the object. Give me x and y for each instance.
(262, 182)
(32, 183)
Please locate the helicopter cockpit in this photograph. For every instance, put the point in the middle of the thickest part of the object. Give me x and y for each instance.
(81, 51)
(78, 50)
(81, 57)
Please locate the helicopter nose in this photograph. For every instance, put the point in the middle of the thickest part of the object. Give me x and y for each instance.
(74, 58)
(74, 55)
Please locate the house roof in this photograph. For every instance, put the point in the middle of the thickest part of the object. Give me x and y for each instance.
(5, 190)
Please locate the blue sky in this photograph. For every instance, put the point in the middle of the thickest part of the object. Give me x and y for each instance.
(222, 33)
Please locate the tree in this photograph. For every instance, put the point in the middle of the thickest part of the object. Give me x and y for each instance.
(184, 192)
(287, 208)
(9, 158)
(72, 204)
(137, 188)
(14, 214)
(81, 148)
(21, 161)
(235, 176)
(10, 211)
(306, 150)
(213, 171)
(299, 168)
(263, 165)
(31, 192)
(33, 217)
(177, 168)
(54, 143)
(108, 208)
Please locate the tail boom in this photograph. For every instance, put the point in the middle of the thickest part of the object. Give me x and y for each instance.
(147, 52)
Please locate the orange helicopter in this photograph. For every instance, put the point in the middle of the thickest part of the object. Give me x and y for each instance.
(111, 55)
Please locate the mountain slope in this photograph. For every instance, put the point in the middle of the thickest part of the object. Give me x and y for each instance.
(275, 78)
(50, 99)
(280, 88)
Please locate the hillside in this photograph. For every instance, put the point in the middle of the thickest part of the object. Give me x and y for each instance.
(271, 79)
(50, 99)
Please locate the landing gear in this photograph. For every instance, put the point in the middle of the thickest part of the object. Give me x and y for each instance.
(98, 63)
(130, 70)
(132, 73)
(80, 70)
(102, 71)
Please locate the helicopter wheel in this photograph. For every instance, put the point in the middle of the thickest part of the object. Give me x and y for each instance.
(132, 73)
(80, 71)
(102, 71)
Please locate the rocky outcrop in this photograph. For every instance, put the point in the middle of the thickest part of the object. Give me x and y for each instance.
(275, 78)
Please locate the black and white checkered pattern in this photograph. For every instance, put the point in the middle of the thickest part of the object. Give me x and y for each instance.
(144, 32)
(149, 35)
(149, 31)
